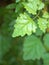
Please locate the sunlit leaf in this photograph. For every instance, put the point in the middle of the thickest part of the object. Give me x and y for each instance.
(24, 25)
(42, 24)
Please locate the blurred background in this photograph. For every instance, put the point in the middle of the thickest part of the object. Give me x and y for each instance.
(11, 48)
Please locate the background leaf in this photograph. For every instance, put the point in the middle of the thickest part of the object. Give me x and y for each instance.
(46, 59)
(46, 41)
(32, 48)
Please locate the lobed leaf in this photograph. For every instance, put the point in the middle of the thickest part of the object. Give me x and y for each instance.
(24, 25)
(32, 48)
(42, 23)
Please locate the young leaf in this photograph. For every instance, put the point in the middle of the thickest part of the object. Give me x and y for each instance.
(48, 24)
(45, 14)
(31, 7)
(42, 23)
(24, 25)
(41, 6)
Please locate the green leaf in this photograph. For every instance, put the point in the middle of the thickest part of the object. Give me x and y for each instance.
(48, 24)
(46, 59)
(42, 23)
(5, 44)
(31, 7)
(38, 32)
(24, 25)
(17, 1)
(41, 6)
(19, 8)
(46, 41)
(32, 48)
(11, 6)
(35, 1)
(45, 14)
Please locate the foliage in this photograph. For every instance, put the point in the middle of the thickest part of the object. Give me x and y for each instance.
(24, 25)
(33, 49)
(24, 32)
